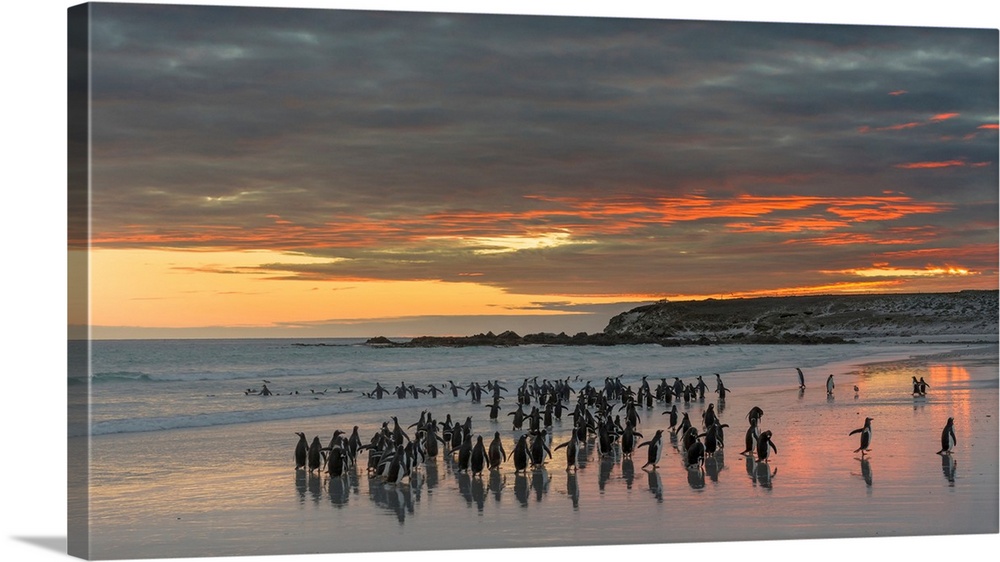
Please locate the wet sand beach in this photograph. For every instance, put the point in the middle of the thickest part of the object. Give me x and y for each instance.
(233, 490)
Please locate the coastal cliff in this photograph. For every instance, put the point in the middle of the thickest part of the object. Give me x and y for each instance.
(825, 316)
(766, 320)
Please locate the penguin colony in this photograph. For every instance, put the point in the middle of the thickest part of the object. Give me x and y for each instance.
(605, 420)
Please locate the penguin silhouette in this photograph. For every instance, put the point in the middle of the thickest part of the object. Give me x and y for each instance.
(866, 436)
(948, 440)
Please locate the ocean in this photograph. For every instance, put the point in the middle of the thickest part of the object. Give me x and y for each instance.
(155, 385)
(187, 460)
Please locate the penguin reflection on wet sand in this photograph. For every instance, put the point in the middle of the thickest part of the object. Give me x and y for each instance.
(866, 436)
(948, 440)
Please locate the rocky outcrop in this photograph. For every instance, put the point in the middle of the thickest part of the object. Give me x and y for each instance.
(812, 319)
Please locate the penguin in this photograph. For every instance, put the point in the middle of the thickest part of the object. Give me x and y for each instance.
(866, 436)
(301, 451)
(520, 454)
(689, 438)
(398, 434)
(314, 457)
(948, 440)
(572, 451)
(673, 416)
(628, 439)
(465, 453)
(923, 387)
(753, 434)
(604, 441)
(496, 455)
(695, 454)
(708, 416)
(336, 442)
(539, 449)
(494, 409)
(829, 385)
(763, 444)
(714, 437)
(337, 462)
(397, 466)
(479, 460)
(655, 449)
(354, 445)
(802, 378)
(916, 386)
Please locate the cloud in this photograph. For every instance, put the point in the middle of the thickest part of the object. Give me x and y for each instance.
(540, 154)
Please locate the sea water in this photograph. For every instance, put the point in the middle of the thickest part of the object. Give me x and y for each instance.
(186, 460)
(152, 385)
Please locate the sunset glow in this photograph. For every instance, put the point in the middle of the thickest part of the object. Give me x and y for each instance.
(459, 183)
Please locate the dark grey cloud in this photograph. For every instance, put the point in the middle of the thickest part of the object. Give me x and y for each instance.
(338, 132)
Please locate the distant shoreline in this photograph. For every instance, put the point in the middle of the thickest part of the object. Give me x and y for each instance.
(805, 320)
(511, 339)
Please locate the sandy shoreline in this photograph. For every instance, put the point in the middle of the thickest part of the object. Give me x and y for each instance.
(243, 497)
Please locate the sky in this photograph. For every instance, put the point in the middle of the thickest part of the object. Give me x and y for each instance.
(307, 172)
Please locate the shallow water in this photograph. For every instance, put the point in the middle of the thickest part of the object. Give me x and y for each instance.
(232, 489)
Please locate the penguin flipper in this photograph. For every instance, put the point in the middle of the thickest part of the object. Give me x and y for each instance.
(858, 430)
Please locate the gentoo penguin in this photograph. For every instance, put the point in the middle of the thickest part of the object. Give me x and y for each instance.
(336, 442)
(673, 416)
(655, 449)
(763, 444)
(682, 429)
(572, 450)
(397, 467)
(948, 440)
(689, 438)
(695, 454)
(478, 461)
(829, 385)
(753, 434)
(465, 453)
(916, 386)
(802, 378)
(520, 454)
(866, 436)
(496, 454)
(539, 449)
(314, 456)
(923, 386)
(301, 451)
(628, 439)
(354, 445)
(708, 416)
(714, 437)
(337, 462)
(604, 441)
(494, 409)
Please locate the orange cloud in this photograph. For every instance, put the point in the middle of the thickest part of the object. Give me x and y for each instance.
(883, 270)
(943, 117)
(898, 92)
(910, 125)
(930, 165)
(990, 126)
(577, 217)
